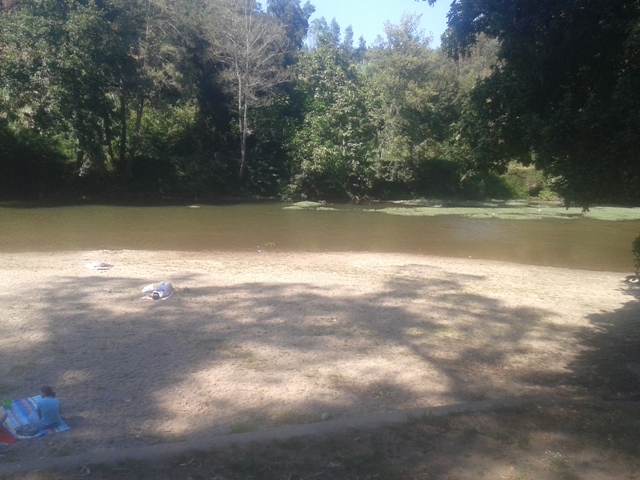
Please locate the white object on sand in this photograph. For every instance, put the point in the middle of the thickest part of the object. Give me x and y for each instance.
(160, 291)
(99, 265)
(163, 289)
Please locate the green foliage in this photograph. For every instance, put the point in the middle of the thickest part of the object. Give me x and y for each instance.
(252, 47)
(437, 178)
(547, 194)
(267, 149)
(524, 182)
(412, 101)
(145, 92)
(329, 147)
(415, 102)
(480, 186)
(294, 17)
(167, 130)
(31, 164)
(563, 97)
(71, 68)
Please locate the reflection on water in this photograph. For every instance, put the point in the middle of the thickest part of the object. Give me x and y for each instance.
(576, 243)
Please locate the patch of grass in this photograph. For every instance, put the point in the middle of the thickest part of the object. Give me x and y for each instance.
(235, 349)
(209, 343)
(291, 417)
(308, 206)
(22, 368)
(243, 427)
(336, 378)
(59, 349)
(232, 350)
(8, 456)
(419, 331)
(564, 440)
(613, 213)
(372, 464)
(522, 440)
(249, 359)
(62, 451)
(513, 210)
(450, 333)
(427, 202)
(312, 373)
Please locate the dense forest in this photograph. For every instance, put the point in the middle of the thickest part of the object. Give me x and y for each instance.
(231, 98)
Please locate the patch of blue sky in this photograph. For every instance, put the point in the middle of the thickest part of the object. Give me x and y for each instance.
(368, 17)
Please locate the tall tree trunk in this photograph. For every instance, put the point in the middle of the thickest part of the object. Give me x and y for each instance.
(242, 123)
(123, 132)
(243, 142)
(106, 119)
(79, 158)
(135, 138)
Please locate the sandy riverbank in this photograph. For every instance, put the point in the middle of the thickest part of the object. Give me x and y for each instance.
(255, 340)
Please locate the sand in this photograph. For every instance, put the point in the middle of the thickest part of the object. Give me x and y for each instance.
(253, 340)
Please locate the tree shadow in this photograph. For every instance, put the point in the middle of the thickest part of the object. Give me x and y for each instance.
(608, 365)
(265, 353)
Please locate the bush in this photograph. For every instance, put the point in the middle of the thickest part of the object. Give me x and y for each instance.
(524, 182)
(548, 194)
(481, 186)
(31, 164)
(437, 179)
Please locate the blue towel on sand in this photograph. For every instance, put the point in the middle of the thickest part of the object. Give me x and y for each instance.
(19, 415)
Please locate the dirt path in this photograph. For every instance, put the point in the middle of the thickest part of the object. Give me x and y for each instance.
(256, 341)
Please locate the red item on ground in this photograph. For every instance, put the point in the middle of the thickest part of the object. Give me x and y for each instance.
(6, 436)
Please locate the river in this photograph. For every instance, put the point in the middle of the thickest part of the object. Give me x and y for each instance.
(579, 243)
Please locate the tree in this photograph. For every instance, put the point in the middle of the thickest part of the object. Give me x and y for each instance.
(148, 59)
(252, 45)
(78, 70)
(330, 146)
(294, 18)
(564, 96)
(334, 32)
(414, 105)
(54, 74)
(347, 42)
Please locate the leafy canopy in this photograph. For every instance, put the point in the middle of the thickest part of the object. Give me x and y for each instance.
(565, 95)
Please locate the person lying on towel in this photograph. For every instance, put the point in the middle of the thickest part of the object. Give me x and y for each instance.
(47, 414)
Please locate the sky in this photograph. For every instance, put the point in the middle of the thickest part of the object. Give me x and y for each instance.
(367, 17)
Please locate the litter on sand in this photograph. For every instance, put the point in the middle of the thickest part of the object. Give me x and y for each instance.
(160, 291)
(99, 265)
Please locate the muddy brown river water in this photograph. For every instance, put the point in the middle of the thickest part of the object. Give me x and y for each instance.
(580, 243)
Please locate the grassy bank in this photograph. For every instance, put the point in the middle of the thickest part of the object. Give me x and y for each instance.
(508, 210)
